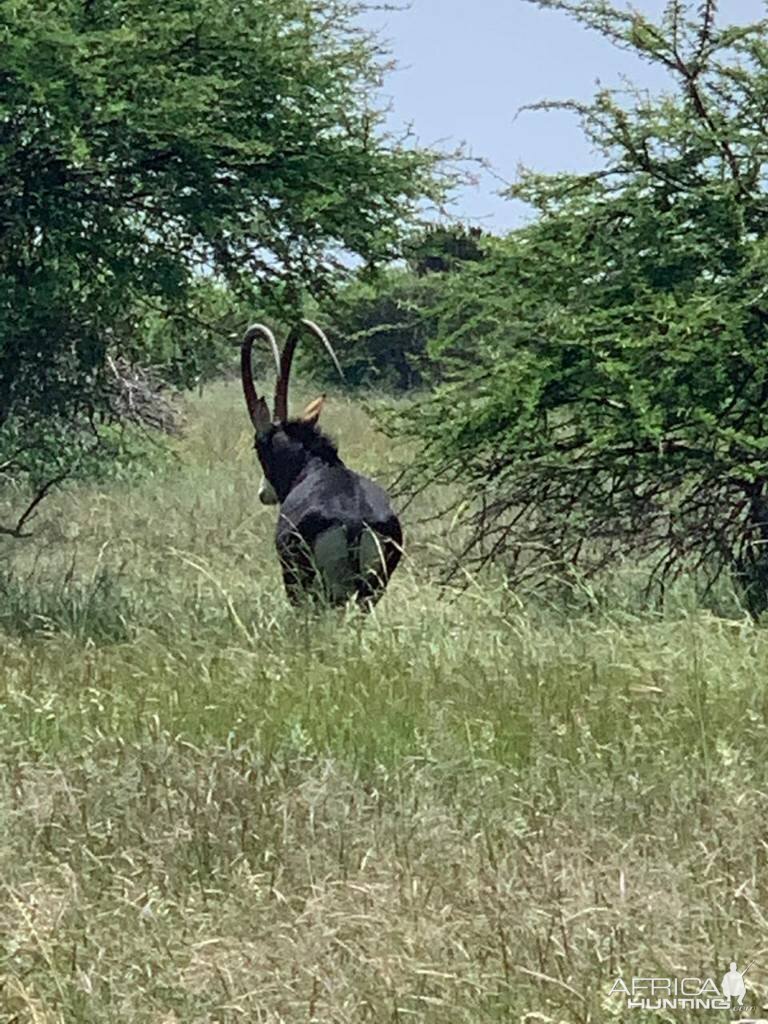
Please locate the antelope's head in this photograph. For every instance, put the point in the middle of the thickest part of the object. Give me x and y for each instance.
(283, 445)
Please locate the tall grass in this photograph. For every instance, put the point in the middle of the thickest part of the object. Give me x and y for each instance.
(461, 809)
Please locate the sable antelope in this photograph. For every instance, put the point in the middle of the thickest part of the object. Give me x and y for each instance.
(337, 535)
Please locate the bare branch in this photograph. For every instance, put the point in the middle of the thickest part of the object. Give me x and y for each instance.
(17, 531)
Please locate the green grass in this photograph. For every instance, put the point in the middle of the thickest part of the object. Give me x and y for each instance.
(458, 810)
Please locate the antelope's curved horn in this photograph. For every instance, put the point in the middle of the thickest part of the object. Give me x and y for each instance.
(246, 369)
(286, 361)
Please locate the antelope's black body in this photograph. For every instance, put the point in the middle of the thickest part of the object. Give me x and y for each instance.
(337, 535)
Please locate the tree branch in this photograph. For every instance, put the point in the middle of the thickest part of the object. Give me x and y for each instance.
(17, 531)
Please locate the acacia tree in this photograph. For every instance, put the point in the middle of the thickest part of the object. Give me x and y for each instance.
(142, 145)
(381, 323)
(610, 361)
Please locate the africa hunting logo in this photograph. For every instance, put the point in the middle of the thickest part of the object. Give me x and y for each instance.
(656, 993)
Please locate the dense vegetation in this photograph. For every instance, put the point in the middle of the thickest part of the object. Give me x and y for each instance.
(142, 146)
(597, 378)
(382, 323)
(609, 385)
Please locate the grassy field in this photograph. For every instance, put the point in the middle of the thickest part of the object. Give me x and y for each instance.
(465, 810)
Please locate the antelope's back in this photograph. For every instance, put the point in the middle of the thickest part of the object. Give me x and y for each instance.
(335, 495)
(344, 525)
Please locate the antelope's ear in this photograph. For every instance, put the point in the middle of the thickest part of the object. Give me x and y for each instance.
(260, 417)
(312, 412)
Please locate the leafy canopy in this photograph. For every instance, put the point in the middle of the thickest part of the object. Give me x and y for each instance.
(381, 323)
(610, 369)
(143, 145)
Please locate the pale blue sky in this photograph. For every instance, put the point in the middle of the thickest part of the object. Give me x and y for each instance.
(466, 66)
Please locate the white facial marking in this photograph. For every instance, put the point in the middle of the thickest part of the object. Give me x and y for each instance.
(267, 494)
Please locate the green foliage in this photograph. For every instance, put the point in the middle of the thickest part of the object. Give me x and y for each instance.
(609, 360)
(441, 248)
(199, 342)
(142, 146)
(381, 323)
(380, 331)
